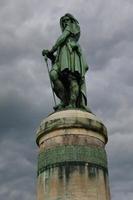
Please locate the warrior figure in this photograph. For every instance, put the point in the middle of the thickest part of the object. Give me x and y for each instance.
(68, 66)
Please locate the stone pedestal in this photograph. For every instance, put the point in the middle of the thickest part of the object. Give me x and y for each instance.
(72, 163)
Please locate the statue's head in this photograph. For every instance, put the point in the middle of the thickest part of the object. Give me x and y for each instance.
(67, 19)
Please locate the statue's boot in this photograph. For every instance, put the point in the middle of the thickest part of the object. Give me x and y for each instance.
(60, 106)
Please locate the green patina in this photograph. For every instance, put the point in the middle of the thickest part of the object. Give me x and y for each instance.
(70, 153)
(77, 122)
(68, 66)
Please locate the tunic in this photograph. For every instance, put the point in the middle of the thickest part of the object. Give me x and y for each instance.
(69, 54)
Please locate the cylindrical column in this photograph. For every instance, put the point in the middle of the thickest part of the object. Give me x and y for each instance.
(72, 161)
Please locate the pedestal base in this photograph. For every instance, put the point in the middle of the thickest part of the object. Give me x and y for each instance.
(72, 163)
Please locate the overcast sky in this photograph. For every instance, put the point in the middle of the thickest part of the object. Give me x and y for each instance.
(28, 26)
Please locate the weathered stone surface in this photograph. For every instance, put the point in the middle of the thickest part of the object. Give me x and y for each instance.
(70, 137)
(73, 182)
(72, 162)
(71, 119)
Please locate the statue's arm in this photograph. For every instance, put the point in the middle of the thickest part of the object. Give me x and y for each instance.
(60, 40)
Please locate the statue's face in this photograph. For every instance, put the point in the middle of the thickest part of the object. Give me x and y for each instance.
(66, 21)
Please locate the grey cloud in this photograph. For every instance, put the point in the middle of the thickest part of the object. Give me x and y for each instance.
(120, 164)
(26, 27)
(110, 28)
(18, 161)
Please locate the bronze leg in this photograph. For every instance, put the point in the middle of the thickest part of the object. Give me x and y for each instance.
(74, 93)
(58, 87)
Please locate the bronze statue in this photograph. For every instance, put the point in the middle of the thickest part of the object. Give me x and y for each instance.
(68, 66)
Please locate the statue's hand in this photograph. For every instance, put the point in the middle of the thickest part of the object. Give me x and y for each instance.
(45, 52)
(51, 51)
(49, 55)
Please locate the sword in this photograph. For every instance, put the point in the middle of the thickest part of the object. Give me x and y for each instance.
(46, 61)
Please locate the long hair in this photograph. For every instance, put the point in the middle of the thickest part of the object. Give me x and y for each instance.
(73, 21)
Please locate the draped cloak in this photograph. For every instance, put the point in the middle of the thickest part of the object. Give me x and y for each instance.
(69, 55)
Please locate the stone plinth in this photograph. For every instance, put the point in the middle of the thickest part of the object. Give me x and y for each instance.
(72, 162)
